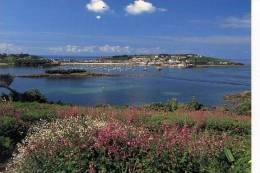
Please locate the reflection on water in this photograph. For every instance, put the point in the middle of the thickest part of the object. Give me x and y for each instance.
(208, 85)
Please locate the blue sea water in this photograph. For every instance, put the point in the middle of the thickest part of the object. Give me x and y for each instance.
(143, 86)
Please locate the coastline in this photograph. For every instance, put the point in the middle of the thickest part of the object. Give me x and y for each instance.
(218, 66)
(92, 63)
(133, 64)
(74, 75)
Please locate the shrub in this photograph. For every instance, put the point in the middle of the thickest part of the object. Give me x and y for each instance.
(81, 144)
(244, 108)
(194, 105)
(158, 107)
(63, 71)
(11, 131)
(33, 95)
(239, 103)
(173, 104)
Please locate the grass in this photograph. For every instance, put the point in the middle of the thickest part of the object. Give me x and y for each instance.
(65, 138)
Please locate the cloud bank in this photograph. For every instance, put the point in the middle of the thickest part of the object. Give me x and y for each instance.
(103, 49)
(7, 47)
(236, 22)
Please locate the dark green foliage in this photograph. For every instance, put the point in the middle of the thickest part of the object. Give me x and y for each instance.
(204, 60)
(244, 108)
(229, 126)
(229, 155)
(6, 79)
(14, 129)
(34, 96)
(25, 60)
(239, 103)
(32, 117)
(32, 61)
(173, 104)
(194, 105)
(62, 71)
(158, 107)
(11, 131)
(119, 58)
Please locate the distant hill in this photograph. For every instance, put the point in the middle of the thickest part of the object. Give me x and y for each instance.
(194, 59)
(26, 60)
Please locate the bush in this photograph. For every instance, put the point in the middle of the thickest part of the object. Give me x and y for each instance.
(243, 108)
(63, 71)
(173, 104)
(239, 103)
(158, 107)
(11, 131)
(194, 105)
(34, 96)
(13, 128)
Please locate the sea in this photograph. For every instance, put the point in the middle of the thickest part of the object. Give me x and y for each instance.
(139, 85)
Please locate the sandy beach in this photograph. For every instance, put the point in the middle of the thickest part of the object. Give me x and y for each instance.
(3, 64)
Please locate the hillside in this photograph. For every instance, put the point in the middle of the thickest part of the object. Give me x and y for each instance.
(169, 59)
(26, 60)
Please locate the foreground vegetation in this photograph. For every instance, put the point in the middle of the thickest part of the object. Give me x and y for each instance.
(64, 138)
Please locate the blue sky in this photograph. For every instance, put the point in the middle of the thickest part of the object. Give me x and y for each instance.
(109, 27)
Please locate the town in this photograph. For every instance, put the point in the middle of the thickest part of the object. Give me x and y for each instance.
(161, 60)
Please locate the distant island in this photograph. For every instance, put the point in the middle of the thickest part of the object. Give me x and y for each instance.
(161, 60)
(69, 73)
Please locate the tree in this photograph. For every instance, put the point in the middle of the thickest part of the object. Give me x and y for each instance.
(5, 82)
(30, 96)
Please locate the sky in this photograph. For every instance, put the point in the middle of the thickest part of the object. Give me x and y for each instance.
(220, 28)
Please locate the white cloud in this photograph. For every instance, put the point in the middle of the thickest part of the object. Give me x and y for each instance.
(98, 17)
(213, 40)
(72, 49)
(243, 21)
(9, 48)
(114, 49)
(56, 49)
(141, 6)
(97, 6)
(162, 9)
(236, 22)
(222, 40)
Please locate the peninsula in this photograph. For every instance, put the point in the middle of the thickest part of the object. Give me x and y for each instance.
(26, 60)
(168, 60)
(162, 60)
